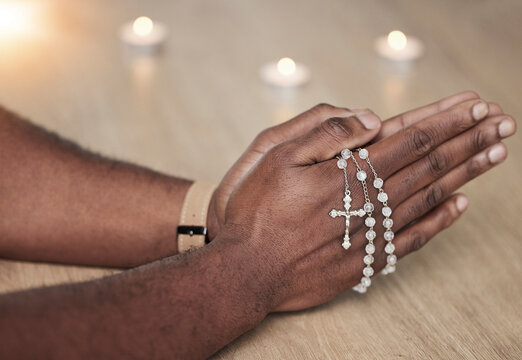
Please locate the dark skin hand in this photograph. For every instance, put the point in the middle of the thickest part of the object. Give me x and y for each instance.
(61, 204)
(278, 249)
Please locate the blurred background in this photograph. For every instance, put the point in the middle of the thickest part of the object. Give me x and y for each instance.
(191, 108)
(63, 65)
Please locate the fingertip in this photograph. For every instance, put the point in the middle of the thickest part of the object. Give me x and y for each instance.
(369, 120)
(462, 203)
(480, 110)
(497, 153)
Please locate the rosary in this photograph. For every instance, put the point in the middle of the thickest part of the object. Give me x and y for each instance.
(367, 211)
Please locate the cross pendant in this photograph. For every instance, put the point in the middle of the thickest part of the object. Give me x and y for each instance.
(347, 213)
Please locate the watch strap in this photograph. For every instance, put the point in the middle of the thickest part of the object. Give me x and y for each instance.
(192, 229)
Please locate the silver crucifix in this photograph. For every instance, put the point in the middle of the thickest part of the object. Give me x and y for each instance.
(347, 213)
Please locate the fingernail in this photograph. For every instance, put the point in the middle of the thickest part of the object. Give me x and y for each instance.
(369, 120)
(480, 111)
(462, 203)
(497, 154)
(506, 128)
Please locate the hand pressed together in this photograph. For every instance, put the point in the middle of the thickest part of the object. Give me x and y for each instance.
(280, 208)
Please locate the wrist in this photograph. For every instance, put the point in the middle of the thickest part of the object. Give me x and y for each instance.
(213, 226)
(253, 269)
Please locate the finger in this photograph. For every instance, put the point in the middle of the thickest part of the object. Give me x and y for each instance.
(402, 121)
(418, 234)
(331, 136)
(439, 162)
(430, 196)
(416, 141)
(301, 124)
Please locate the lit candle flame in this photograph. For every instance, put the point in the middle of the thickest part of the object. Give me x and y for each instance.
(397, 40)
(286, 66)
(143, 26)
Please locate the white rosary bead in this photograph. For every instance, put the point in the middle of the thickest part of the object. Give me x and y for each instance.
(363, 154)
(368, 259)
(389, 248)
(377, 183)
(382, 197)
(370, 235)
(366, 281)
(386, 211)
(389, 235)
(369, 221)
(368, 207)
(346, 153)
(392, 259)
(368, 271)
(387, 223)
(370, 249)
(342, 164)
(360, 288)
(361, 175)
(388, 269)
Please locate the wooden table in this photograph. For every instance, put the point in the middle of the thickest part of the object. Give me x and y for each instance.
(194, 108)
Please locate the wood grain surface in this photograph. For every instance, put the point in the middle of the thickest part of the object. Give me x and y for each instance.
(192, 109)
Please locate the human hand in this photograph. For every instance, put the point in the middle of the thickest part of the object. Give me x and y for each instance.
(298, 126)
(265, 141)
(279, 212)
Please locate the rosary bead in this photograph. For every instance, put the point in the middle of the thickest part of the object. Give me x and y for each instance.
(370, 234)
(389, 235)
(363, 154)
(392, 259)
(366, 281)
(387, 223)
(370, 249)
(346, 153)
(389, 248)
(368, 207)
(368, 271)
(369, 221)
(341, 164)
(377, 183)
(361, 175)
(386, 211)
(382, 197)
(368, 259)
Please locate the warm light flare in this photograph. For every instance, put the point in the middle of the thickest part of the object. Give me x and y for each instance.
(143, 26)
(16, 18)
(397, 40)
(286, 66)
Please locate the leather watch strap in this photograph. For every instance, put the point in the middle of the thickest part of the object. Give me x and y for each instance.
(192, 228)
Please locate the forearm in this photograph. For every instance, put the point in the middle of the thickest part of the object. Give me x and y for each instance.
(185, 306)
(60, 203)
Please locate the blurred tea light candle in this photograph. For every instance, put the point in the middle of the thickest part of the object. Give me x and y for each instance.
(399, 47)
(284, 73)
(144, 33)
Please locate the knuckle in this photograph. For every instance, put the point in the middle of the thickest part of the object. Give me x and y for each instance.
(471, 94)
(479, 139)
(264, 135)
(437, 163)
(458, 117)
(434, 194)
(447, 217)
(280, 154)
(336, 128)
(475, 166)
(323, 107)
(417, 240)
(421, 141)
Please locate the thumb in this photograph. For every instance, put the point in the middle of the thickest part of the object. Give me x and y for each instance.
(331, 136)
